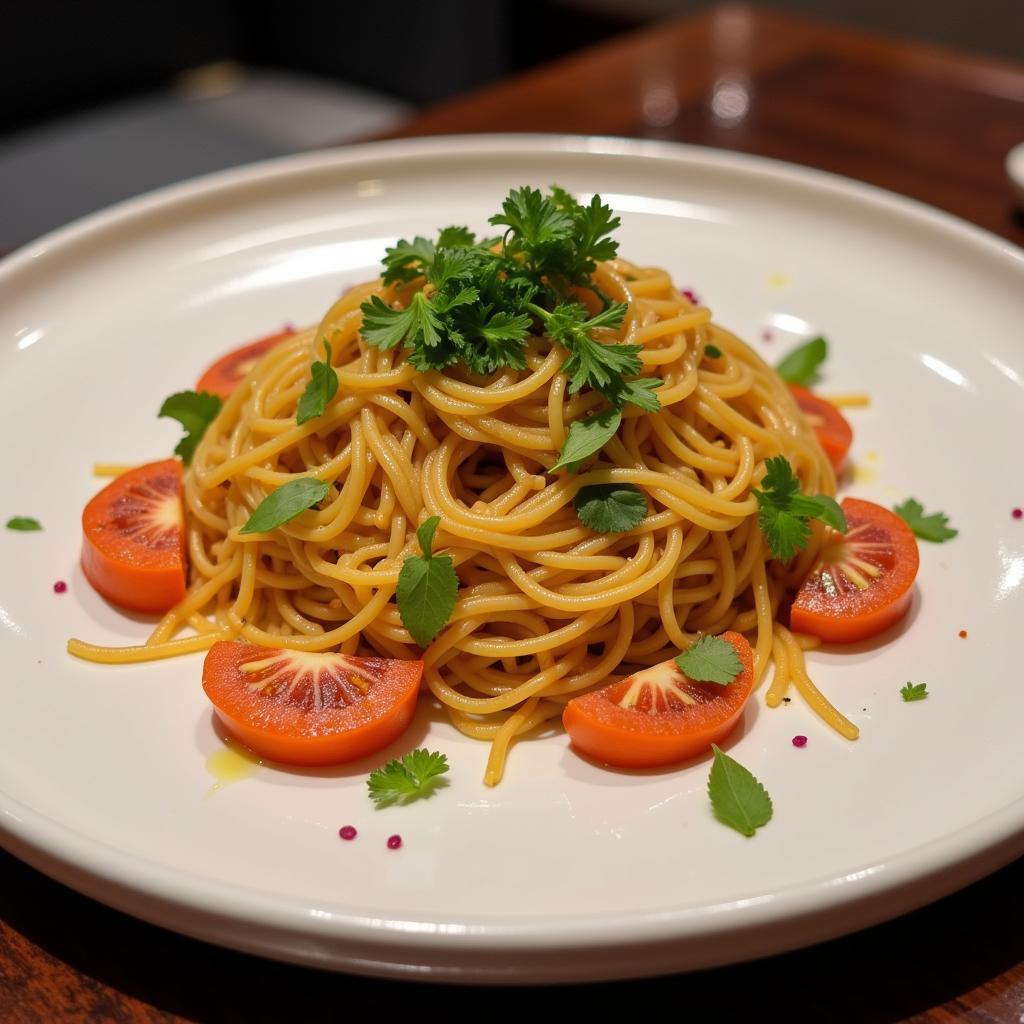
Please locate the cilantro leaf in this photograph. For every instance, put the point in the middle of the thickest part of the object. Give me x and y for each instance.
(932, 527)
(427, 588)
(783, 512)
(322, 387)
(800, 366)
(610, 508)
(284, 504)
(195, 411)
(710, 660)
(24, 523)
(737, 798)
(417, 774)
(914, 691)
(587, 437)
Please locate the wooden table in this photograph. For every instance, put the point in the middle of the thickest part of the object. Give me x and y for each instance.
(931, 124)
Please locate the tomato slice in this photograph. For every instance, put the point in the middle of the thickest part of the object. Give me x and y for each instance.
(310, 709)
(862, 582)
(658, 716)
(835, 435)
(133, 546)
(230, 370)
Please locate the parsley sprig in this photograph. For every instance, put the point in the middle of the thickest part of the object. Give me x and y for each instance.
(784, 513)
(415, 775)
(482, 300)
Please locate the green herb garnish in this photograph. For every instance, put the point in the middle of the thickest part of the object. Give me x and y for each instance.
(610, 508)
(712, 352)
(427, 587)
(800, 366)
(284, 504)
(195, 411)
(710, 660)
(783, 511)
(322, 387)
(928, 527)
(415, 775)
(737, 798)
(24, 523)
(914, 691)
(587, 437)
(482, 300)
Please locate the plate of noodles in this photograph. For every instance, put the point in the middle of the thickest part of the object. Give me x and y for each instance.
(553, 559)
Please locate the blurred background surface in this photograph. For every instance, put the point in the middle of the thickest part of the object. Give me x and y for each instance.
(105, 100)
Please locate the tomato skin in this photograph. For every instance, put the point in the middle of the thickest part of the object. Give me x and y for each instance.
(838, 612)
(834, 433)
(628, 737)
(133, 563)
(223, 376)
(286, 731)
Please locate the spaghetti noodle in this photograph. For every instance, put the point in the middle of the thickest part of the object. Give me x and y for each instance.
(546, 608)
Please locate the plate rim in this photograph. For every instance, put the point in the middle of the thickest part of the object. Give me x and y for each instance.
(937, 867)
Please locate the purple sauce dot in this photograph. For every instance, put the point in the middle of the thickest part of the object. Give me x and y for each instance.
(1017, 513)
(347, 832)
(394, 842)
(59, 587)
(799, 741)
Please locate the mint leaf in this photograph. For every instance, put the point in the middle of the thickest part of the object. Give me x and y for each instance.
(928, 527)
(23, 523)
(417, 774)
(284, 504)
(783, 511)
(737, 798)
(610, 508)
(322, 387)
(587, 437)
(427, 588)
(914, 691)
(710, 660)
(195, 411)
(800, 366)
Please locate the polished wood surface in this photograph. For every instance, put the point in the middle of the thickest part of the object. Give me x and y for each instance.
(930, 124)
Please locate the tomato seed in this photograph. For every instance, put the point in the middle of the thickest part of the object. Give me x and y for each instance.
(799, 741)
(394, 842)
(347, 832)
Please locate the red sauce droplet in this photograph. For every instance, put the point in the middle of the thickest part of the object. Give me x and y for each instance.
(799, 741)
(766, 335)
(394, 842)
(59, 587)
(347, 832)
(1017, 513)
(962, 634)
(691, 295)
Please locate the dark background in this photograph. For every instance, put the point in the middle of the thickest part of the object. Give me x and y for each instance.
(103, 100)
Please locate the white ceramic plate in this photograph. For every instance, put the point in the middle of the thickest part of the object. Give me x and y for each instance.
(565, 871)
